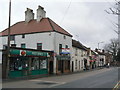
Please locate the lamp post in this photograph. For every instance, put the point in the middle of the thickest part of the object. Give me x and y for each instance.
(99, 44)
(8, 42)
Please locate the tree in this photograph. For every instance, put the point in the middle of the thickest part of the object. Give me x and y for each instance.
(118, 56)
(116, 11)
(112, 47)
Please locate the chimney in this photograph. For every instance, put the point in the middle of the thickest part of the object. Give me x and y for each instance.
(96, 50)
(103, 51)
(29, 15)
(41, 13)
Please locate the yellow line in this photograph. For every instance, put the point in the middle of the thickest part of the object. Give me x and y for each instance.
(117, 86)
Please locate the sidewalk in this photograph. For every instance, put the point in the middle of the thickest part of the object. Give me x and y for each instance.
(52, 75)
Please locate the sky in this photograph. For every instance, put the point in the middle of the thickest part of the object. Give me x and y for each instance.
(86, 20)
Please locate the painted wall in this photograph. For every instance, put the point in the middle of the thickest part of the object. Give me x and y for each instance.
(78, 59)
(50, 41)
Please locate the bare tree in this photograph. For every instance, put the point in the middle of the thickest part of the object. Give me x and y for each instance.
(112, 47)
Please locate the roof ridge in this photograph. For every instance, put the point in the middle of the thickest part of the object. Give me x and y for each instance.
(12, 25)
(58, 26)
(51, 24)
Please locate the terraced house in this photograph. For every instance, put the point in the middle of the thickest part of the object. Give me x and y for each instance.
(41, 34)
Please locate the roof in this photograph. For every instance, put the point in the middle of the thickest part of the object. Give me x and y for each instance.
(78, 45)
(45, 25)
(100, 53)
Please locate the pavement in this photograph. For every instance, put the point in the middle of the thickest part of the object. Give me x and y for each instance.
(101, 78)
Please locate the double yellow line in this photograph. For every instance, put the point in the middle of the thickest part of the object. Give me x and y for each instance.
(117, 86)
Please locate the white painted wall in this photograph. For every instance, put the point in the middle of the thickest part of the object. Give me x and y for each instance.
(81, 54)
(50, 41)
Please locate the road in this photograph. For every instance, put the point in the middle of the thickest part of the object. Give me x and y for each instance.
(103, 78)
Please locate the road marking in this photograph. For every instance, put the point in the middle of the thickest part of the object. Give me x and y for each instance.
(117, 86)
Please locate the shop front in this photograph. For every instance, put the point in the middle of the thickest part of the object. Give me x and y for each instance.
(63, 64)
(28, 63)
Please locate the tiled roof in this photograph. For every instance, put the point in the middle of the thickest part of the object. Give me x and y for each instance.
(45, 25)
(78, 45)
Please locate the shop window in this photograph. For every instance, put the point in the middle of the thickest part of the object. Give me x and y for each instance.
(39, 46)
(35, 63)
(17, 64)
(23, 46)
(43, 64)
(12, 37)
(60, 48)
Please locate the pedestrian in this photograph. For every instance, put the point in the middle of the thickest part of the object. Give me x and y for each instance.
(108, 65)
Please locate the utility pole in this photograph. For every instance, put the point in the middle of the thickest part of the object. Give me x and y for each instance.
(8, 42)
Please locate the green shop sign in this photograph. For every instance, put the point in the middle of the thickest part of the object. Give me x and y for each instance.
(59, 57)
(28, 53)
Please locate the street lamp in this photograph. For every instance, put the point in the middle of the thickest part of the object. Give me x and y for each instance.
(99, 44)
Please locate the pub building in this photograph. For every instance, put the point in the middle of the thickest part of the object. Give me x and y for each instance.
(27, 63)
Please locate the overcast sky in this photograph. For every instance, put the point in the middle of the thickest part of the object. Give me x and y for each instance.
(86, 21)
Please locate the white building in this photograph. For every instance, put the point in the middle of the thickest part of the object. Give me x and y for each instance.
(79, 56)
(101, 61)
(41, 33)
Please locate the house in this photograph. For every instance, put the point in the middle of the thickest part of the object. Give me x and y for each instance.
(93, 59)
(109, 58)
(79, 57)
(41, 33)
(101, 57)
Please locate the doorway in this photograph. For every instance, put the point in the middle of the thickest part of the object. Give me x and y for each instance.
(51, 67)
(72, 66)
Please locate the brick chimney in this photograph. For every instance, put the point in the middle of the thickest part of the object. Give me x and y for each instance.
(41, 13)
(29, 15)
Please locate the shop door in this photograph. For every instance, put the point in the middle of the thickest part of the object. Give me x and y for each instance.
(62, 66)
(51, 67)
(72, 66)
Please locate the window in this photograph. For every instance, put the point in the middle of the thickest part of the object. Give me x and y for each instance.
(76, 52)
(43, 64)
(39, 46)
(23, 46)
(13, 45)
(23, 36)
(12, 37)
(60, 48)
(79, 65)
(64, 37)
(4, 46)
(76, 64)
(66, 46)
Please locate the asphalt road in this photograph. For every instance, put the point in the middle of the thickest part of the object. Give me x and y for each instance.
(107, 79)
(102, 78)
